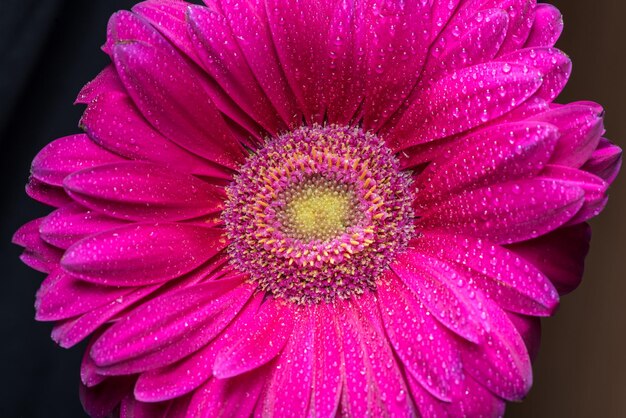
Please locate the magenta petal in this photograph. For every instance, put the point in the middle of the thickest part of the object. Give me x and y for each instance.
(197, 313)
(142, 254)
(258, 341)
(37, 254)
(594, 187)
(62, 296)
(396, 52)
(50, 195)
(507, 213)
(328, 370)
(289, 388)
(605, 162)
(463, 100)
(99, 401)
(521, 18)
(142, 191)
(374, 385)
(179, 108)
(67, 155)
(580, 127)
(114, 122)
(106, 81)
(221, 57)
(427, 351)
(508, 279)
(71, 223)
(554, 65)
(132, 408)
(560, 255)
(497, 154)
(174, 380)
(529, 328)
(547, 27)
(480, 41)
(234, 397)
(444, 292)
(501, 362)
(88, 370)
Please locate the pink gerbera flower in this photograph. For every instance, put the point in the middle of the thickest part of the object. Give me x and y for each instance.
(318, 208)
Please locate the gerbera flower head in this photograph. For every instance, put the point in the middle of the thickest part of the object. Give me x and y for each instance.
(317, 208)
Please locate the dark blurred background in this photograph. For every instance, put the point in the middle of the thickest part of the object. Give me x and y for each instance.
(49, 49)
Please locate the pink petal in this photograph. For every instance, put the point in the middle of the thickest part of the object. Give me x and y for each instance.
(479, 41)
(289, 388)
(142, 254)
(234, 397)
(174, 380)
(99, 401)
(444, 293)
(427, 351)
(502, 275)
(483, 92)
(142, 191)
(179, 108)
(521, 18)
(547, 27)
(71, 223)
(605, 162)
(114, 122)
(497, 154)
(37, 254)
(256, 342)
(328, 370)
(250, 27)
(50, 195)
(131, 408)
(560, 255)
(529, 328)
(88, 370)
(580, 126)
(374, 385)
(67, 155)
(506, 213)
(155, 329)
(62, 296)
(501, 363)
(106, 81)
(554, 65)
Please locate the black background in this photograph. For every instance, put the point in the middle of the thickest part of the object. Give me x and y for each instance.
(50, 48)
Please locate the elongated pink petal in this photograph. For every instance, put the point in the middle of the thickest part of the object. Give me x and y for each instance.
(225, 398)
(71, 223)
(99, 401)
(142, 191)
(480, 41)
(501, 362)
(249, 24)
(62, 296)
(514, 283)
(50, 195)
(521, 18)
(507, 213)
(328, 368)
(289, 388)
(175, 380)
(142, 254)
(37, 254)
(547, 27)
(257, 341)
(605, 162)
(180, 108)
(459, 102)
(444, 292)
(132, 408)
(221, 57)
(580, 127)
(497, 154)
(426, 350)
(67, 155)
(529, 328)
(554, 65)
(197, 313)
(114, 122)
(106, 81)
(373, 381)
(560, 255)
(88, 370)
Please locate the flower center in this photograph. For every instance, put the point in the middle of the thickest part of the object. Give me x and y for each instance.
(318, 213)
